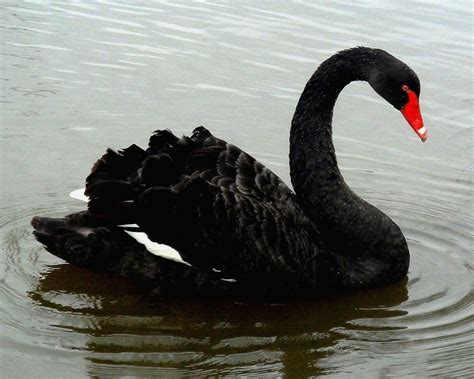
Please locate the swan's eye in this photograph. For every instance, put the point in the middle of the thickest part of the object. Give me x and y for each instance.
(405, 88)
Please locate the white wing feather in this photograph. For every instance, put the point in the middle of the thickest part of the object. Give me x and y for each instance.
(158, 249)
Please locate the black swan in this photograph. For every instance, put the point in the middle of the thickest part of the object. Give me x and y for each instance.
(236, 227)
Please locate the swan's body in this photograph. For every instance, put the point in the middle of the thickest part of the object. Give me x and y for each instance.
(232, 224)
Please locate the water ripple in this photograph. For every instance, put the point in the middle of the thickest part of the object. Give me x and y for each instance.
(83, 76)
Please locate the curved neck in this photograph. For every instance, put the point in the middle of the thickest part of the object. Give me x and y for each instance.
(314, 170)
(369, 245)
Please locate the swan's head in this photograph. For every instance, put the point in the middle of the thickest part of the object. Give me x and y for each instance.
(398, 84)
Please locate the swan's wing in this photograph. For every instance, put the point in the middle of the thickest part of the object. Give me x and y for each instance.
(169, 158)
(214, 204)
(119, 178)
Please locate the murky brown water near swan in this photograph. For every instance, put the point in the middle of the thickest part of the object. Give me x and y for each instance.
(80, 77)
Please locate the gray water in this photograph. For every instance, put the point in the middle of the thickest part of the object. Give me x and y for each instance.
(79, 77)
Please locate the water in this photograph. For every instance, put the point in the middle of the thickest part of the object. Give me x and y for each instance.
(78, 77)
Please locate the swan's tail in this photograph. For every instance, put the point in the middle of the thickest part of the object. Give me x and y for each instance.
(100, 248)
(111, 250)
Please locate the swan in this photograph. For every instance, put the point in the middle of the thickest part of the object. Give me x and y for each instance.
(197, 215)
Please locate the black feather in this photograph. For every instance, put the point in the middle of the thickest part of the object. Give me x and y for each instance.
(231, 217)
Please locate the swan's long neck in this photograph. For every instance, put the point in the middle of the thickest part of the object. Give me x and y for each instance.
(369, 245)
(314, 170)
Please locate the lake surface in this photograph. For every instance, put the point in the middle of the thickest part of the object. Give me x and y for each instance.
(79, 77)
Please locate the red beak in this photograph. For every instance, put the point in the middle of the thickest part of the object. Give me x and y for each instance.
(411, 112)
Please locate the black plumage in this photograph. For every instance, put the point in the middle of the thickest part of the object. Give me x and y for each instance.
(237, 226)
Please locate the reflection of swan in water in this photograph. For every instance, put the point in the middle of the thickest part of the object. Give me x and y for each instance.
(125, 330)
